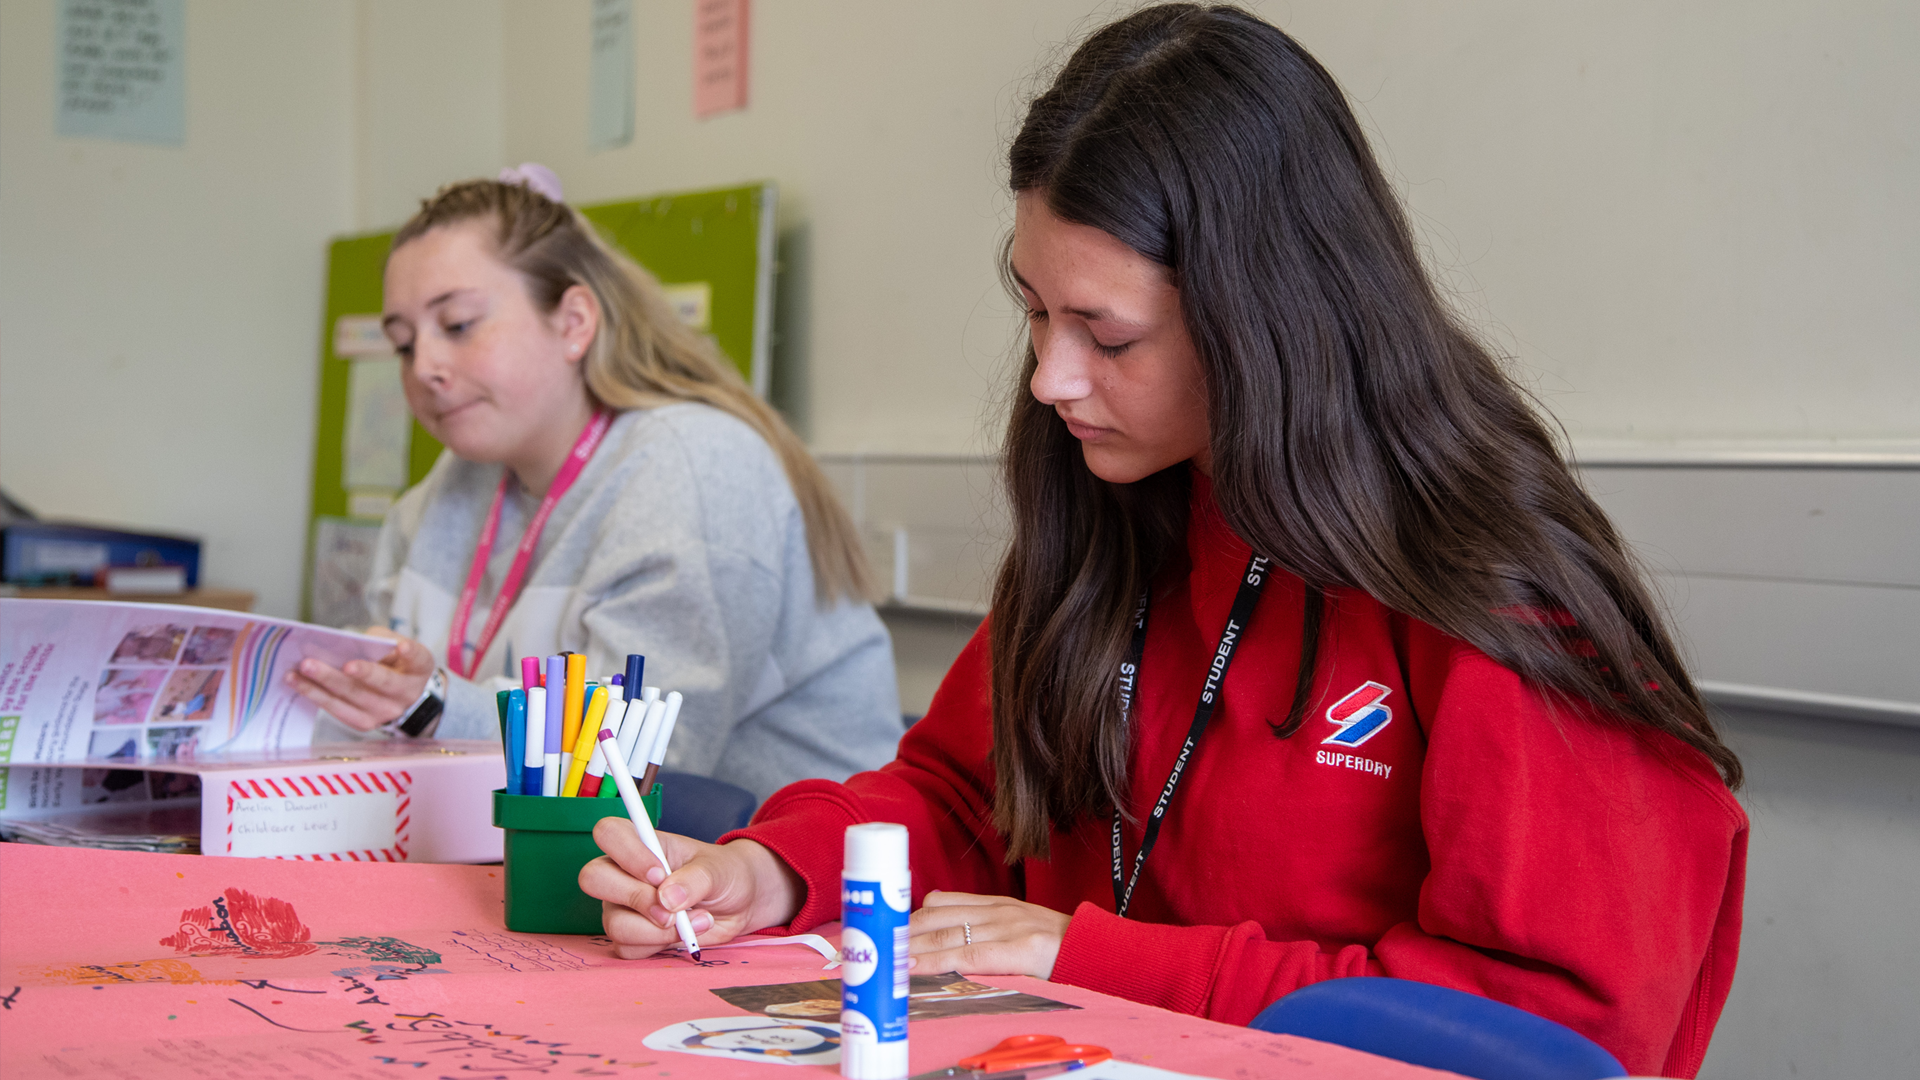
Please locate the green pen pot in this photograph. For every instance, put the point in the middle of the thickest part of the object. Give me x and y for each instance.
(548, 840)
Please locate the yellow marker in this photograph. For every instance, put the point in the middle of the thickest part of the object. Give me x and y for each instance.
(576, 700)
(583, 746)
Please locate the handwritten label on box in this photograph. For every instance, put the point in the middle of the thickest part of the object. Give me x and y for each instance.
(340, 816)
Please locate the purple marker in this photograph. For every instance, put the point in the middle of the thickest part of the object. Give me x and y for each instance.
(556, 724)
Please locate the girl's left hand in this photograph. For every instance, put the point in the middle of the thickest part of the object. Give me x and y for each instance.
(363, 694)
(1010, 937)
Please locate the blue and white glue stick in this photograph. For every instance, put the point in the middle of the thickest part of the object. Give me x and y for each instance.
(876, 889)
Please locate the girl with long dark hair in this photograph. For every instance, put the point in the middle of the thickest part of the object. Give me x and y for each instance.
(1309, 657)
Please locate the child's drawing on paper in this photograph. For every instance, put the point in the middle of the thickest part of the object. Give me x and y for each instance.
(239, 925)
(156, 644)
(125, 694)
(137, 971)
(189, 694)
(209, 645)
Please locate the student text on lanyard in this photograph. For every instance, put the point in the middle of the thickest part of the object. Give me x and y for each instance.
(1251, 584)
(577, 459)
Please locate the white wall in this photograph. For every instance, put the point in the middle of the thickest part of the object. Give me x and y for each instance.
(1685, 221)
(160, 306)
(1690, 220)
(428, 107)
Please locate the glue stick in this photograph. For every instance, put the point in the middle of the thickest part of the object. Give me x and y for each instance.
(875, 891)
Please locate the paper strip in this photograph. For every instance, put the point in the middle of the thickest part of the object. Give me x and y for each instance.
(812, 941)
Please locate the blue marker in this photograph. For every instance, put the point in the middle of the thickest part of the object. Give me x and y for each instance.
(516, 741)
(636, 666)
(533, 776)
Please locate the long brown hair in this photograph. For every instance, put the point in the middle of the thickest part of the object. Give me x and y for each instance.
(643, 356)
(1361, 437)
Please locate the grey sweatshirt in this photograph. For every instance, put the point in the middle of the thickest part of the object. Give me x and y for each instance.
(680, 540)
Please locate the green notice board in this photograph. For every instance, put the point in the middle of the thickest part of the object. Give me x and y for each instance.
(712, 250)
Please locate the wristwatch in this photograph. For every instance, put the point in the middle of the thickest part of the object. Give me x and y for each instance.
(424, 716)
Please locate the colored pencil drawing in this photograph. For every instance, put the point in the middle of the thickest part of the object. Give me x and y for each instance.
(178, 972)
(238, 923)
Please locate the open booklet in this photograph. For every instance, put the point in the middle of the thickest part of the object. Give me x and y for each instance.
(105, 682)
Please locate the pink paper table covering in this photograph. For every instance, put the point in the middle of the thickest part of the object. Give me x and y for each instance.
(116, 964)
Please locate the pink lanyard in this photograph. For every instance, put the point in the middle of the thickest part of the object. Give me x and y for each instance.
(569, 472)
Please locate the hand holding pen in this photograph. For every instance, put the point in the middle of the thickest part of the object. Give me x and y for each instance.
(637, 812)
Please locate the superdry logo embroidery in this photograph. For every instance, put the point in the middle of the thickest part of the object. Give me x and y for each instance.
(1359, 715)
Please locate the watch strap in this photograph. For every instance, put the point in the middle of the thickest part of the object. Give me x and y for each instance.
(427, 710)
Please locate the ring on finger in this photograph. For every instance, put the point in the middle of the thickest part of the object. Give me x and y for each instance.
(967, 929)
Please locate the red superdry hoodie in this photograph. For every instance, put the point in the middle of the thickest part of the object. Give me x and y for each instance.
(1582, 870)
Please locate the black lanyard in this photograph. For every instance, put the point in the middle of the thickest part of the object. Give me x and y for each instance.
(1251, 583)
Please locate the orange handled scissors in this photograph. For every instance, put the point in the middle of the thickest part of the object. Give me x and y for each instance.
(1019, 1053)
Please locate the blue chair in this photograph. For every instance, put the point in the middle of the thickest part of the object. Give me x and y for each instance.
(702, 807)
(1438, 1027)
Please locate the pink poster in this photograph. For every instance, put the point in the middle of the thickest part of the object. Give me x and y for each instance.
(177, 967)
(719, 56)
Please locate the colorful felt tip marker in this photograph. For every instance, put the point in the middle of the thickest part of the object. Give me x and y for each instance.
(576, 699)
(636, 667)
(557, 749)
(637, 811)
(516, 741)
(636, 739)
(589, 741)
(529, 672)
(591, 784)
(533, 775)
(658, 755)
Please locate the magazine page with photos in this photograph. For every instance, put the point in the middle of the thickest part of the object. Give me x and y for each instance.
(122, 683)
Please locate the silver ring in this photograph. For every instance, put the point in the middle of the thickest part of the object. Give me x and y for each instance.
(967, 929)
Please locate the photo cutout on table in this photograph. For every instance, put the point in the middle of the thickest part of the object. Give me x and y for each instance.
(156, 644)
(209, 645)
(125, 694)
(189, 695)
(929, 997)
